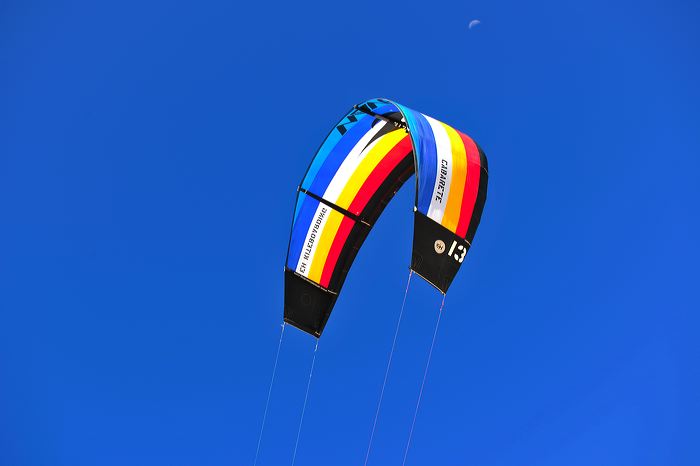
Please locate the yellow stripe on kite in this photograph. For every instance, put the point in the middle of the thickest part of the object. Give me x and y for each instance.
(382, 147)
(369, 162)
(330, 229)
(459, 177)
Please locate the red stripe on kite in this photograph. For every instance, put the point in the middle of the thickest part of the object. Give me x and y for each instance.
(338, 242)
(471, 186)
(379, 174)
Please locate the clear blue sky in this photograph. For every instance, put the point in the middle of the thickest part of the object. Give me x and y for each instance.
(149, 156)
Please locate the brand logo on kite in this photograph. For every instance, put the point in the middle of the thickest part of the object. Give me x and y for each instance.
(439, 246)
(442, 181)
(306, 253)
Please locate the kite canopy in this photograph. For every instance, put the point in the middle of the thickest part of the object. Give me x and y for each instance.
(362, 163)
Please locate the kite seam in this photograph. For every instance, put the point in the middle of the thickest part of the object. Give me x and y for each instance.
(345, 212)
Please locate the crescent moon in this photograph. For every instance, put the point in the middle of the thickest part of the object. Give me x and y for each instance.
(473, 23)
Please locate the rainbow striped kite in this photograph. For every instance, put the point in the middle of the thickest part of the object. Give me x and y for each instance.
(362, 163)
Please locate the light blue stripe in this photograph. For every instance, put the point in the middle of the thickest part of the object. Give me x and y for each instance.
(426, 155)
(300, 199)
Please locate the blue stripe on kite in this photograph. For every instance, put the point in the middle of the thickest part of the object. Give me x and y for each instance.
(300, 199)
(300, 228)
(329, 145)
(424, 143)
(338, 154)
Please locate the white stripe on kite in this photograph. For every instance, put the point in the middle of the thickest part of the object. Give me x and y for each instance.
(443, 174)
(350, 164)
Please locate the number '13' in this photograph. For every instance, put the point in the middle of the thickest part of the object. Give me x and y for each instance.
(460, 248)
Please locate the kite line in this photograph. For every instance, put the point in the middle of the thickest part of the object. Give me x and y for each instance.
(388, 366)
(269, 392)
(306, 397)
(422, 385)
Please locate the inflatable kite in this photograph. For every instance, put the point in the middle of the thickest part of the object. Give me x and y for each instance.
(362, 163)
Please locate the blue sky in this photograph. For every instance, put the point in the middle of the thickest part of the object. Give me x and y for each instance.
(149, 156)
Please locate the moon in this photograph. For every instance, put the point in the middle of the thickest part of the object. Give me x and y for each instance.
(473, 23)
